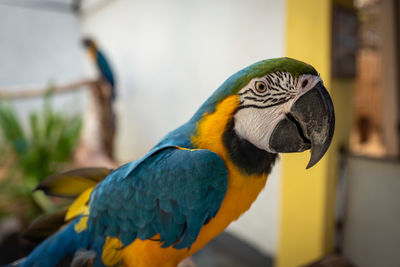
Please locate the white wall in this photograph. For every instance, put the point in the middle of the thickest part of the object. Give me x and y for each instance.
(37, 47)
(372, 232)
(169, 56)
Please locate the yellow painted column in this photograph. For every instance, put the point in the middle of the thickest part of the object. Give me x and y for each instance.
(306, 227)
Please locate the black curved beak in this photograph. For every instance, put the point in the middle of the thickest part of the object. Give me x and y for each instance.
(309, 125)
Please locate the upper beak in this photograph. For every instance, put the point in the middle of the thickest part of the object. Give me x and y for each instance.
(309, 124)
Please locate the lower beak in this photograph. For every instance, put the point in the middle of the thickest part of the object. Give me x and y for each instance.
(309, 125)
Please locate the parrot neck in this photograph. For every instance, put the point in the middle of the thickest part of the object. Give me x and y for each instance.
(92, 52)
(215, 132)
(245, 155)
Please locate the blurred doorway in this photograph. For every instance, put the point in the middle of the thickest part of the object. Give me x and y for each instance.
(376, 128)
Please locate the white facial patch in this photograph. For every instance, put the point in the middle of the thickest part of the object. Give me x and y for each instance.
(261, 110)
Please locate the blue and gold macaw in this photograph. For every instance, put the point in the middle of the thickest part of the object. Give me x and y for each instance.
(101, 63)
(198, 179)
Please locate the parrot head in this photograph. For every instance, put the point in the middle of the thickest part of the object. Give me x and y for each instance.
(88, 43)
(90, 46)
(283, 107)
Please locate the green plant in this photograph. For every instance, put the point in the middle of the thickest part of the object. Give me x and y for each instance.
(42, 148)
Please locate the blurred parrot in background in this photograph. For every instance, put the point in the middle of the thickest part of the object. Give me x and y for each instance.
(167, 205)
(103, 94)
(101, 63)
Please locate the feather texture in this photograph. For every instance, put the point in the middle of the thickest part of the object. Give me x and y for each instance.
(172, 192)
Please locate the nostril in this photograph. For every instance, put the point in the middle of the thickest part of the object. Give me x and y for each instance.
(304, 83)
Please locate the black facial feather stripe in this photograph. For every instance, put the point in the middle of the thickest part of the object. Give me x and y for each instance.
(254, 93)
(279, 94)
(253, 99)
(260, 107)
(271, 88)
(268, 99)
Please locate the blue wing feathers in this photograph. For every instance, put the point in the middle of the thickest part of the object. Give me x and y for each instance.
(127, 236)
(105, 68)
(172, 192)
(145, 232)
(177, 212)
(165, 205)
(63, 244)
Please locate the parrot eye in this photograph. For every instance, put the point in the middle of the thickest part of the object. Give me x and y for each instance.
(261, 87)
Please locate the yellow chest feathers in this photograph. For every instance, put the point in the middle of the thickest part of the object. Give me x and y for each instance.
(243, 189)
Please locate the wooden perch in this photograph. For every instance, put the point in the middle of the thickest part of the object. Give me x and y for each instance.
(15, 93)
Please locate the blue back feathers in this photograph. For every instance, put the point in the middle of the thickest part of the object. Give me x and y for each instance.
(172, 192)
(106, 71)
